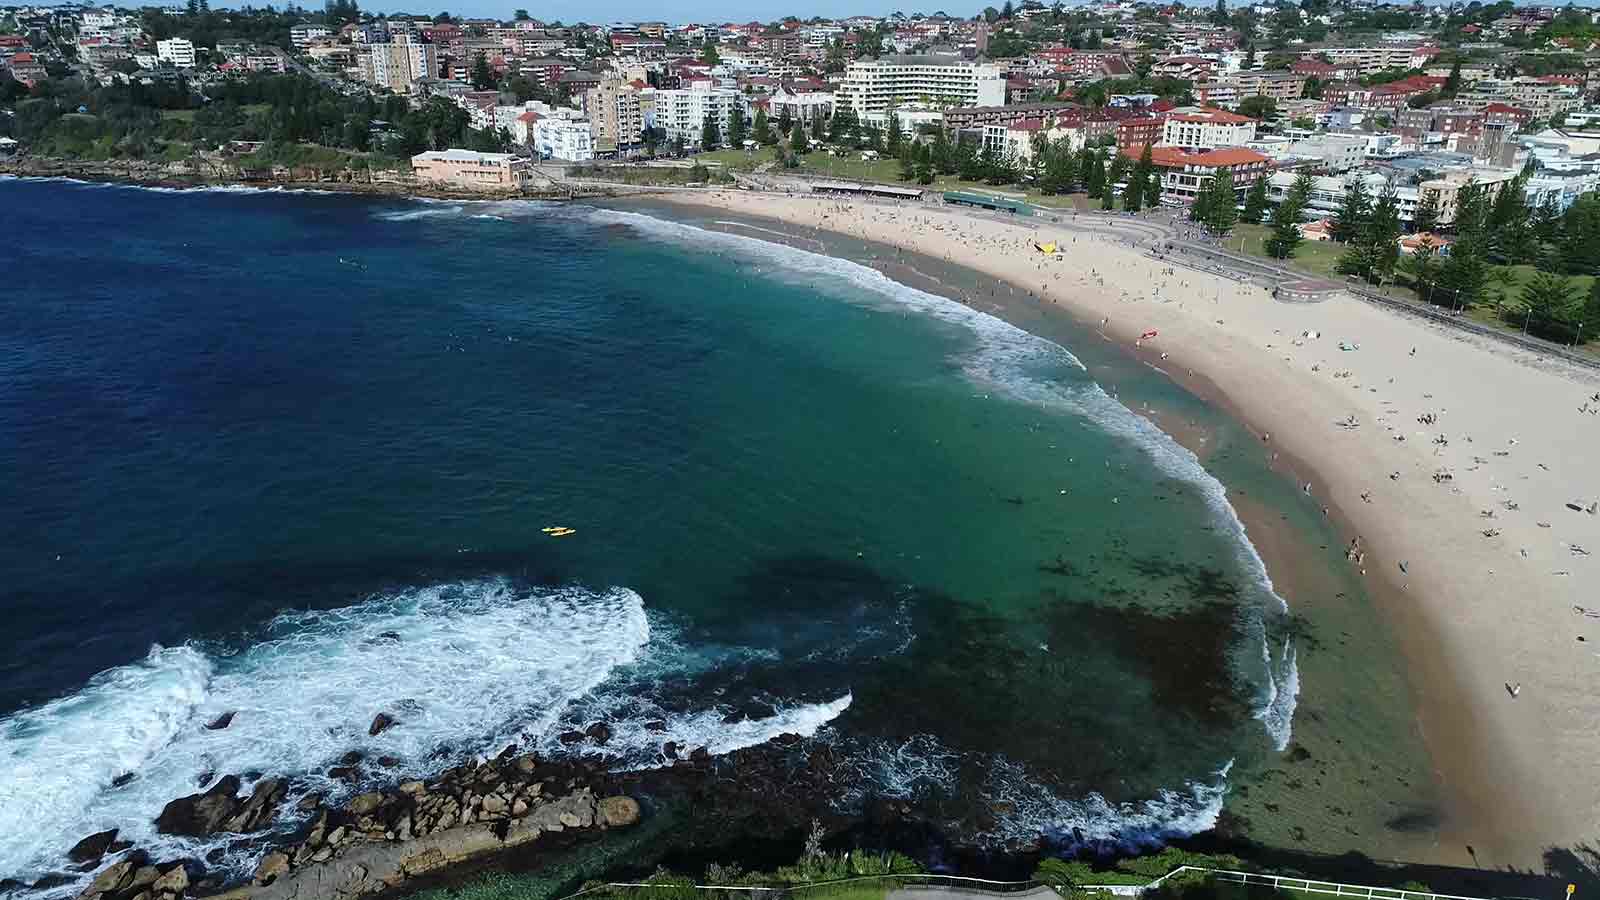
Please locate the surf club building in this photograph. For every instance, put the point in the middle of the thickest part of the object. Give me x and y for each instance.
(1185, 174)
(471, 169)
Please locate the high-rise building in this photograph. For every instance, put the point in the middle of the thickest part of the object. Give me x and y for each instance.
(874, 85)
(396, 63)
(178, 51)
(614, 115)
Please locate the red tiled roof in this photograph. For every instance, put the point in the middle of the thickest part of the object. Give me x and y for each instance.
(1215, 117)
(1173, 157)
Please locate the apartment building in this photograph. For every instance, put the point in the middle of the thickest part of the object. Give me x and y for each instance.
(1185, 174)
(1542, 96)
(398, 63)
(1277, 85)
(1367, 60)
(682, 112)
(874, 85)
(177, 51)
(615, 117)
(303, 35)
(1207, 129)
(470, 169)
(964, 117)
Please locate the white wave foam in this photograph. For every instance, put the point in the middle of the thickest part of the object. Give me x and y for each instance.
(1031, 811)
(466, 666)
(59, 757)
(902, 770)
(1276, 711)
(1017, 363)
(165, 189)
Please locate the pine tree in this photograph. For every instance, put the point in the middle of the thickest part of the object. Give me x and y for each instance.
(710, 133)
(1427, 216)
(1286, 237)
(1383, 234)
(1200, 210)
(1222, 211)
(908, 163)
(1095, 178)
(1255, 203)
(1354, 210)
(762, 132)
(892, 138)
(736, 126)
(1108, 195)
(797, 139)
(1133, 194)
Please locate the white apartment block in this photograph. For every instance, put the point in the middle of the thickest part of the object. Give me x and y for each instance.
(302, 35)
(1207, 129)
(875, 85)
(802, 106)
(1375, 59)
(558, 137)
(682, 112)
(396, 64)
(178, 51)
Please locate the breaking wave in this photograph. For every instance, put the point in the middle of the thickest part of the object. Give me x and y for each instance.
(466, 668)
(1018, 363)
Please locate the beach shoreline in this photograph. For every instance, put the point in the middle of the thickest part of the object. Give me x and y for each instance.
(1497, 755)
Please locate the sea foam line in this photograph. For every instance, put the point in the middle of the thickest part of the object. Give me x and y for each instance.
(1003, 360)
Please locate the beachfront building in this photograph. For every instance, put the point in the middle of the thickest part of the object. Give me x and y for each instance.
(178, 51)
(1207, 129)
(616, 117)
(562, 135)
(399, 63)
(472, 170)
(1185, 174)
(874, 85)
(801, 106)
(682, 112)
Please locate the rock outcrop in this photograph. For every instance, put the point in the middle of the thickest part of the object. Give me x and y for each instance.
(220, 809)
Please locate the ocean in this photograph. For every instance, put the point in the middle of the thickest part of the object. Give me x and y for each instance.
(298, 458)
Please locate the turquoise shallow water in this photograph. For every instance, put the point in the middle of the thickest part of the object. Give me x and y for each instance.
(293, 456)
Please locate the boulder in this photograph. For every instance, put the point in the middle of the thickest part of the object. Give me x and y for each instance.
(220, 722)
(258, 811)
(198, 815)
(655, 725)
(525, 764)
(380, 723)
(143, 877)
(122, 779)
(570, 737)
(176, 881)
(414, 788)
(599, 732)
(617, 812)
(494, 805)
(273, 866)
(365, 804)
(115, 878)
(91, 848)
(351, 758)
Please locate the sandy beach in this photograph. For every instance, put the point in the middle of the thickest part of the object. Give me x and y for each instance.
(1458, 465)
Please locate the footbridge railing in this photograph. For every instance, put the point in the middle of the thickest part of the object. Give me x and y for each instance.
(1309, 885)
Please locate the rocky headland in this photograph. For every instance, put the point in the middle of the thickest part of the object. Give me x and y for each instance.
(381, 840)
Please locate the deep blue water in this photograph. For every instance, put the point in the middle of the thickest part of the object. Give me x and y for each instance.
(293, 456)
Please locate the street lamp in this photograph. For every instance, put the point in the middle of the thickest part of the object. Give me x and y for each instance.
(1578, 338)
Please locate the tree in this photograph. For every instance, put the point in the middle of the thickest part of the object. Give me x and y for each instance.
(797, 139)
(1255, 203)
(1094, 180)
(908, 162)
(892, 136)
(1133, 194)
(1549, 307)
(708, 54)
(1200, 210)
(1152, 189)
(1452, 82)
(1427, 215)
(762, 132)
(1222, 212)
(483, 78)
(710, 133)
(736, 126)
(1286, 237)
(1354, 210)
(521, 15)
(1383, 233)
(1422, 264)
(1219, 16)
(1465, 272)
(1258, 107)
(1108, 195)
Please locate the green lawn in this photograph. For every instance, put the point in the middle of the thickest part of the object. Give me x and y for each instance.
(1319, 258)
(178, 115)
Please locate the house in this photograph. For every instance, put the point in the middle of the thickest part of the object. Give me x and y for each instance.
(1425, 240)
(1319, 230)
